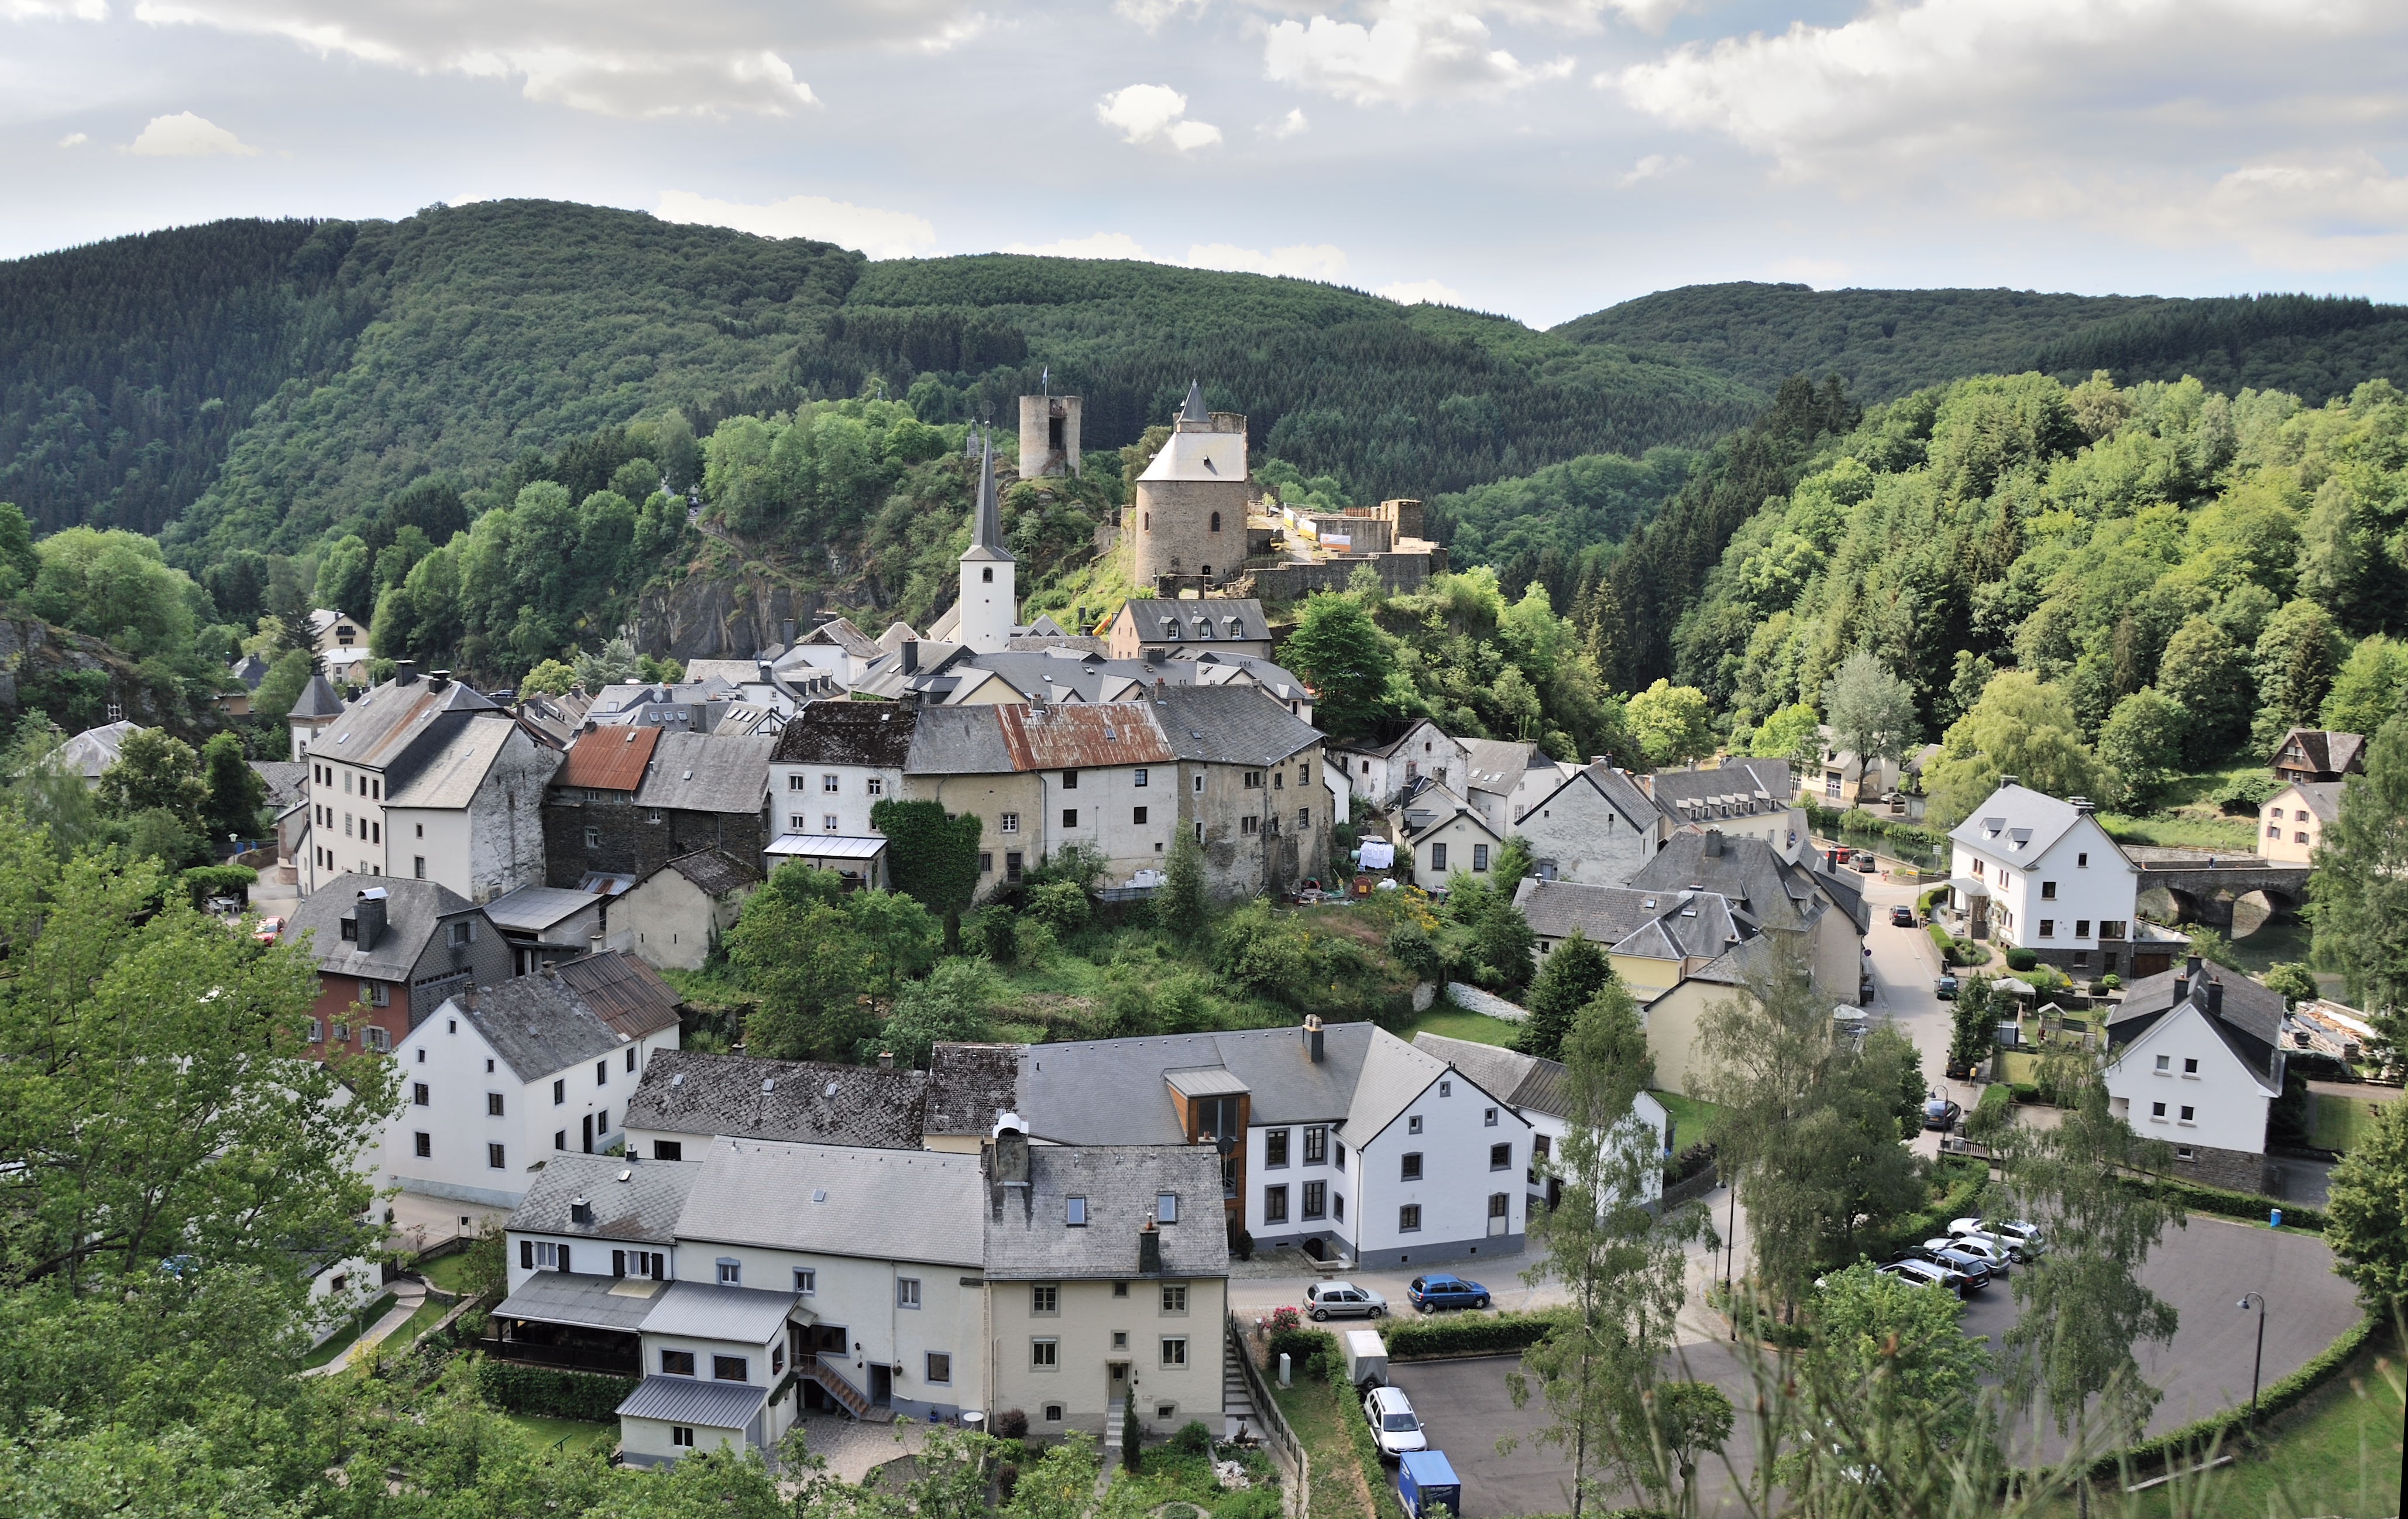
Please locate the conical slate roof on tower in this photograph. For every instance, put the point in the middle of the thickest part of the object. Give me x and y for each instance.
(987, 528)
(1193, 411)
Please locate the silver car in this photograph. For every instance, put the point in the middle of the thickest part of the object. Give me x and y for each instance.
(1394, 1424)
(1988, 1249)
(2021, 1239)
(1342, 1299)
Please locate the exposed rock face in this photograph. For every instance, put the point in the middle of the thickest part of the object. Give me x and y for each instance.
(723, 617)
(76, 679)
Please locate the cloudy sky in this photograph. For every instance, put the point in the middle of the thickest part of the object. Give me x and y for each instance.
(1538, 157)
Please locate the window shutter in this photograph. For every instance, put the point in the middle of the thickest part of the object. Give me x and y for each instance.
(618, 1263)
(526, 1254)
(563, 1257)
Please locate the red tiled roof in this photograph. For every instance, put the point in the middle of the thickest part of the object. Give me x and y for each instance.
(608, 758)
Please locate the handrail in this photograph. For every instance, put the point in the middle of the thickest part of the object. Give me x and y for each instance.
(1274, 1423)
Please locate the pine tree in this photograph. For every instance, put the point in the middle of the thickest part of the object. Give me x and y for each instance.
(1575, 971)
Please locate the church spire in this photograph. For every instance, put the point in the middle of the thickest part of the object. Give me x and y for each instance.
(986, 527)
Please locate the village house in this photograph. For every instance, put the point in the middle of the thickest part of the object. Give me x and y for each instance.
(1106, 779)
(1536, 1089)
(1654, 940)
(500, 1078)
(2032, 872)
(389, 951)
(2198, 1062)
(689, 1097)
(1597, 826)
(1438, 831)
(835, 762)
(1824, 909)
(2308, 756)
(550, 922)
(675, 916)
(959, 759)
(1376, 772)
(1250, 787)
(1223, 626)
(1506, 778)
(1753, 798)
(589, 810)
(2292, 823)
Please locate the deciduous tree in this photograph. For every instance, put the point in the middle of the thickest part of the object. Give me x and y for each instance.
(2360, 884)
(1871, 711)
(1343, 656)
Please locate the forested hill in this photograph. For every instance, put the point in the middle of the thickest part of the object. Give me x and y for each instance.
(260, 384)
(1887, 342)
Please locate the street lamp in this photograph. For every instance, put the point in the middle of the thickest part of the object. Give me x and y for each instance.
(2260, 1364)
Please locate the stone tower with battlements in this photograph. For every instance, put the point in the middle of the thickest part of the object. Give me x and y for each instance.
(988, 569)
(1190, 516)
(1049, 436)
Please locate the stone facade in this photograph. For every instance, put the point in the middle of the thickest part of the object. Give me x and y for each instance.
(1190, 514)
(615, 836)
(2235, 1171)
(1049, 436)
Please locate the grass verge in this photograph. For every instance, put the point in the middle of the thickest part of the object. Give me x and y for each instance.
(1449, 1021)
(574, 1434)
(342, 1339)
(1693, 1119)
(448, 1272)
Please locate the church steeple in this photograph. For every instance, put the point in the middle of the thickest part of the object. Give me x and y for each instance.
(988, 568)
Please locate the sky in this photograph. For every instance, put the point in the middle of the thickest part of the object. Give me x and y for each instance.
(1541, 158)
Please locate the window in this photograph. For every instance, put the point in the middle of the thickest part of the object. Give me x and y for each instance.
(2048, 890)
(1138, 778)
(2188, 1114)
(1166, 1207)
(681, 1434)
(1337, 1207)
(1069, 780)
(1275, 1205)
(676, 1363)
(560, 1092)
(1316, 1146)
(731, 1271)
(418, 1095)
(2048, 928)
(1304, 819)
(381, 1040)
(1414, 1124)
(2158, 1110)
(1446, 1089)
(1174, 1352)
(316, 1031)
(1316, 1195)
(1438, 857)
(1410, 1170)
(1044, 1355)
(1011, 864)
(2164, 1062)
(1074, 1213)
(1252, 780)
(1120, 1289)
(874, 785)
(776, 1360)
(1069, 818)
(425, 1146)
(1045, 1297)
(668, 1150)
(1053, 1414)
(2274, 830)
(1488, 1118)
(807, 1281)
(1479, 857)
(1008, 822)
(1409, 1218)
(418, 866)
(631, 1057)
(829, 785)
(594, 838)
(794, 782)
(560, 1138)
(2190, 1067)
(493, 1105)
(602, 1073)
(940, 1365)
(907, 1292)
(1137, 816)
(1500, 1157)
(2082, 928)
(342, 1032)
(730, 1368)
(2081, 861)
(1248, 825)
(1174, 1297)
(827, 823)
(797, 822)
(1199, 788)
(2183, 1152)
(465, 932)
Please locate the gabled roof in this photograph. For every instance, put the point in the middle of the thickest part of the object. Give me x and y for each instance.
(94, 749)
(1055, 1085)
(287, 781)
(839, 1201)
(1758, 882)
(450, 767)
(959, 740)
(970, 1087)
(1380, 748)
(397, 726)
(1634, 921)
(629, 995)
(2323, 750)
(842, 633)
(715, 872)
(1525, 1082)
(413, 910)
(2249, 1020)
(1229, 724)
(538, 909)
(2018, 825)
(873, 733)
(633, 1200)
(1394, 1073)
(1029, 1236)
(1211, 620)
(1054, 736)
(2323, 797)
(802, 1101)
(1433, 806)
(1619, 791)
(537, 1025)
(1498, 765)
(608, 758)
(698, 772)
(1736, 788)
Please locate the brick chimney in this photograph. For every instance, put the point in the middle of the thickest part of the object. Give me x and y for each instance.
(370, 915)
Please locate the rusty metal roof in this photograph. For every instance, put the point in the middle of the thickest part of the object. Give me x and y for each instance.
(624, 992)
(608, 758)
(1080, 736)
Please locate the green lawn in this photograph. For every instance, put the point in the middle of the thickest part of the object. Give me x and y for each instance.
(2185, 830)
(447, 1271)
(1691, 1118)
(2341, 1122)
(1314, 1416)
(1449, 1021)
(429, 1314)
(548, 1432)
(341, 1340)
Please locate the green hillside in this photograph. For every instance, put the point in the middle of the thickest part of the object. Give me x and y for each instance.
(1887, 342)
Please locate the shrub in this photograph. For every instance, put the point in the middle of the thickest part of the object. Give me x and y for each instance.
(2021, 960)
(1007, 1480)
(1409, 947)
(1192, 1438)
(557, 1394)
(2192, 1440)
(1012, 1423)
(1061, 904)
(2024, 1092)
(1462, 1334)
(1286, 1318)
(998, 935)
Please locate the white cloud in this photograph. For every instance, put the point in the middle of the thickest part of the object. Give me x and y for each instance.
(187, 135)
(711, 58)
(1151, 14)
(74, 139)
(1653, 167)
(1420, 293)
(1305, 261)
(54, 10)
(1287, 125)
(2343, 212)
(880, 234)
(1143, 113)
(1416, 50)
(1094, 245)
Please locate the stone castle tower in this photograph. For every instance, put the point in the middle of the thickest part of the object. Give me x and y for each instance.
(987, 571)
(1190, 516)
(1049, 436)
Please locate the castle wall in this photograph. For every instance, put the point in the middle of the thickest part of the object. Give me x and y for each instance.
(1049, 436)
(1172, 533)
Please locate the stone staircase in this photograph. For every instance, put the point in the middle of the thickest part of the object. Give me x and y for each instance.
(1237, 1399)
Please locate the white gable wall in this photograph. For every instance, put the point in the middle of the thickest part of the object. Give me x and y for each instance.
(2228, 1104)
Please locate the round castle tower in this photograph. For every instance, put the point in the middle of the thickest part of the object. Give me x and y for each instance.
(1190, 516)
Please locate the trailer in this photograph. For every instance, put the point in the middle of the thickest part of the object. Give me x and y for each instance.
(1366, 1358)
(1427, 1485)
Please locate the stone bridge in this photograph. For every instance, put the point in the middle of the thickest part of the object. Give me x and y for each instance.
(2239, 891)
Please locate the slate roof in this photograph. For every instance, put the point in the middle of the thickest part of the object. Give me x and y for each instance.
(608, 758)
(1525, 1082)
(1394, 1074)
(1029, 1238)
(698, 772)
(575, 1298)
(633, 1201)
(839, 1201)
(1229, 725)
(2327, 751)
(1759, 883)
(2322, 797)
(1738, 788)
(401, 727)
(629, 995)
(2018, 825)
(2250, 1021)
(1199, 455)
(316, 700)
(288, 781)
(690, 1092)
(448, 774)
(968, 1085)
(537, 1025)
(94, 749)
(1633, 920)
(715, 871)
(842, 633)
(987, 524)
(1221, 618)
(1620, 791)
(688, 1400)
(875, 733)
(1498, 765)
(1058, 1085)
(534, 909)
(413, 910)
(959, 740)
(1386, 748)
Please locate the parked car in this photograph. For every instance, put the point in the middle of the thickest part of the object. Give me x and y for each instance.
(1901, 916)
(1939, 1113)
(1944, 988)
(2021, 1237)
(268, 929)
(1975, 1271)
(1394, 1424)
(1431, 1294)
(1920, 1273)
(1342, 1299)
(1991, 1252)
(1863, 861)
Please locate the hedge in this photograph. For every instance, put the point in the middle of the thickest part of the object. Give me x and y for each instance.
(2194, 1438)
(2230, 1205)
(559, 1395)
(1470, 1334)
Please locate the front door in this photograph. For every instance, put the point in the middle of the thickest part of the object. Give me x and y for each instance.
(1116, 1381)
(589, 1134)
(881, 1386)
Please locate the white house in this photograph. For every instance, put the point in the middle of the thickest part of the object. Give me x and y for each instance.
(1535, 1089)
(2199, 1062)
(1597, 826)
(836, 762)
(1376, 772)
(2036, 873)
(500, 1080)
(1505, 779)
(1439, 831)
(675, 916)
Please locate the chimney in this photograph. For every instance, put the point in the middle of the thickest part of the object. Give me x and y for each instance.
(887, 1060)
(593, 942)
(550, 970)
(468, 995)
(1011, 1158)
(2196, 966)
(1313, 1038)
(579, 1211)
(370, 915)
(1149, 1250)
(438, 679)
(910, 657)
(2007, 780)
(2082, 805)
(405, 671)
(787, 633)
(1713, 847)
(2216, 999)
(2181, 988)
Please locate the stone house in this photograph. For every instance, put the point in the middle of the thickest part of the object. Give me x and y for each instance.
(1249, 787)
(388, 952)
(1146, 624)
(1597, 826)
(589, 810)
(1106, 779)
(672, 918)
(1377, 771)
(1189, 518)
(958, 759)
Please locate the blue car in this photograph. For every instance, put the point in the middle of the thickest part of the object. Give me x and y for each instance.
(1431, 1294)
